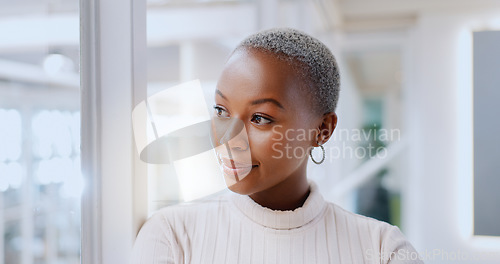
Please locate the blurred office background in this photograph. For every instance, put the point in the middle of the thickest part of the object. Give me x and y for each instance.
(415, 146)
(40, 179)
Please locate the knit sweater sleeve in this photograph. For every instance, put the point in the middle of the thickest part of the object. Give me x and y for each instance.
(155, 243)
(397, 249)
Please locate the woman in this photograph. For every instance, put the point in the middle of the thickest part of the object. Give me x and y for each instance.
(275, 101)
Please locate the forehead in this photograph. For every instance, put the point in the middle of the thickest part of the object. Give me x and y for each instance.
(252, 73)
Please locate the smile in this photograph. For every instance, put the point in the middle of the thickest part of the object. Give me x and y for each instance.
(234, 168)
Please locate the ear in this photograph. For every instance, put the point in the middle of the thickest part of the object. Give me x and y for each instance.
(326, 128)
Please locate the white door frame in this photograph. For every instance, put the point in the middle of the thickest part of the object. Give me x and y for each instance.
(113, 80)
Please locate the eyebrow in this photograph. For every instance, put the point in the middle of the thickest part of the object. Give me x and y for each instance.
(258, 101)
(267, 100)
(217, 91)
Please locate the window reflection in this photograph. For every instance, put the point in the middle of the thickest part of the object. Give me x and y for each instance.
(10, 139)
(40, 179)
(40, 191)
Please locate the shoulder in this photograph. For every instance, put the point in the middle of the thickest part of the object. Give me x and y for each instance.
(185, 214)
(383, 240)
(167, 234)
(342, 215)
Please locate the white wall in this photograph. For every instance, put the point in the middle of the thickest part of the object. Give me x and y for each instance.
(440, 113)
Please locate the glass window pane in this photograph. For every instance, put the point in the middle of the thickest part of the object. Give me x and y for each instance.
(486, 130)
(40, 179)
(174, 60)
(376, 75)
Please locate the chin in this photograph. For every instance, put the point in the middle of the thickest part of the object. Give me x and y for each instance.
(241, 187)
(234, 188)
(245, 184)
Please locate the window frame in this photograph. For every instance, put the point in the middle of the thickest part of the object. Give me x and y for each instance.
(113, 80)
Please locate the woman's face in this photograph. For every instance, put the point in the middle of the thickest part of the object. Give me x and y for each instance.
(264, 119)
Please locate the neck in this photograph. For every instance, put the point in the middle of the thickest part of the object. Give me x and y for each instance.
(289, 194)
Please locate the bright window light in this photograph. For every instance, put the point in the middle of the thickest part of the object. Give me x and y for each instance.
(11, 176)
(54, 170)
(52, 134)
(73, 182)
(14, 175)
(75, 131)
(4, 182)
(10, 135)
(55, 64)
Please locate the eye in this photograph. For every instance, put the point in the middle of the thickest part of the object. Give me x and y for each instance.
(261, 120)
(221, 112)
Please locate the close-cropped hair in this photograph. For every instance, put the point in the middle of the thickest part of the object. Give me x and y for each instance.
(310, 58)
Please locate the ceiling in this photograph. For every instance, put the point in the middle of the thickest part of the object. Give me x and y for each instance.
(348, 15)
(11, 8)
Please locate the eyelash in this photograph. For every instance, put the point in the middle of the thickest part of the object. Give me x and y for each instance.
(269, 120)
(218, 109)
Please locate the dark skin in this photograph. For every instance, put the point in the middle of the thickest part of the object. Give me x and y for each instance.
(280, 127)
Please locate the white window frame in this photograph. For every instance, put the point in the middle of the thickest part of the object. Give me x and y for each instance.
(450, 216)
(113, 80)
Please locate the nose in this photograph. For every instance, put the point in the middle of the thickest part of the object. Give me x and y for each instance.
(239, 142)
(229, 131)
(235, 135)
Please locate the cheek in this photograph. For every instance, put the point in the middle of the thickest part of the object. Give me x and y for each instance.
(263, 145)
(279, 145)
(297, 144)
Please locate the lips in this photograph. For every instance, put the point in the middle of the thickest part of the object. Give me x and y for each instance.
(234, 168)
(234, 164)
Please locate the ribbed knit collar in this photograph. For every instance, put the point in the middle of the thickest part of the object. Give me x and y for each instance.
(276, 219)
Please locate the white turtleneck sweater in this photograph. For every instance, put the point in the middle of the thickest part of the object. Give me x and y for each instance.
(232, 228)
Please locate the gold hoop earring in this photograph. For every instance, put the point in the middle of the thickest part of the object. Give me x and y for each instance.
(322, 159)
